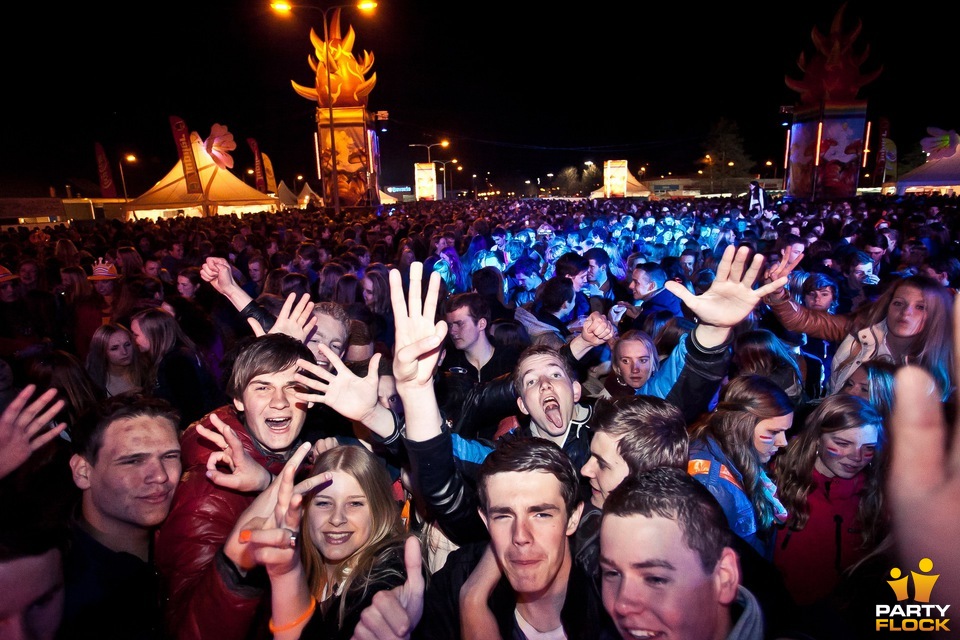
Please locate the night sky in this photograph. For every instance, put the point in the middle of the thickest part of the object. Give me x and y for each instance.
(520, 89)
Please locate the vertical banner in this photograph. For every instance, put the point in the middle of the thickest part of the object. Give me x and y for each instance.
(615, 179)
(257, 165)
(181, 136)
(889, 161)
(841, 149)
(425, 180)
(108, 188)
(833, 173)
(268, 172)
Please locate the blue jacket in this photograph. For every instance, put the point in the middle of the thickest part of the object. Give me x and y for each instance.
(725, 482)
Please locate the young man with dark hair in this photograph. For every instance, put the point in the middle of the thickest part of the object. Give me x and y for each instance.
(127, 466)
(667, 565)
(212, 586)
(468, 316)
(599, 275)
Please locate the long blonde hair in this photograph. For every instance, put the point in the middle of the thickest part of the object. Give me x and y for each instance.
(369, 564)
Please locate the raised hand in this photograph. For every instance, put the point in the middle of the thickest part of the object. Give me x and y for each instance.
(271, 518)
(22, 427)
(296, 320)
(782, 269)
(217, 272)
(340, 389)
(418, 338)
(244, 474)
(923, 485)
(394, 613)
(731, 297)
(596, 329)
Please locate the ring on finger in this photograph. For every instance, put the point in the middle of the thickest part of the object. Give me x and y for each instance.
(293, 538)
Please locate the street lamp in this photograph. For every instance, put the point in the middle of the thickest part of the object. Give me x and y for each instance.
(442, 143)
(129, 158)
(444, 164)
(282, 6)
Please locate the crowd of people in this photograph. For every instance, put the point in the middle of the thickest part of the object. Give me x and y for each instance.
(544, 419)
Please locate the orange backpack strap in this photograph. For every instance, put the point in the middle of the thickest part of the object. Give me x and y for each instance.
(698, 467)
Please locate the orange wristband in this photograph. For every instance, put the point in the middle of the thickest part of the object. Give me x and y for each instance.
(303, 618)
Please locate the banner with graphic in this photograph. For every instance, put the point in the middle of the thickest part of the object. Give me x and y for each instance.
(826, 147)
(889, 160)
(257, 165)
(181, 136)
(108, 188)
(268, 171)
(426, 180)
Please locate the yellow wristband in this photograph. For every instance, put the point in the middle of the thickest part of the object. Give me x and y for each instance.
(303, 618)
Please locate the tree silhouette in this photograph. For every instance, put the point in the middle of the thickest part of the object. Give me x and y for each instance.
(724, 145)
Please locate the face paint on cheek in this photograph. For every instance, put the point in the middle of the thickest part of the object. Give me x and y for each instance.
(868, 455)
(766, 439)
(833, 451)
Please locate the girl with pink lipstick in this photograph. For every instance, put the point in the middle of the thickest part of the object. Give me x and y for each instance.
(831, 484)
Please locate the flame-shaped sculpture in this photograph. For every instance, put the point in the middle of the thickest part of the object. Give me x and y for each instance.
(940, 144)
(219, 144)
(833, 73)
(348, 87)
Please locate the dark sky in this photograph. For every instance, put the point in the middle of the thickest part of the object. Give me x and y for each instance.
(521, 89)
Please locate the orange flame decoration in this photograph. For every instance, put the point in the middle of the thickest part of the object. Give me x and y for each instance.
(833, 73)
(219, 144)
(940, 144)
(348, 87)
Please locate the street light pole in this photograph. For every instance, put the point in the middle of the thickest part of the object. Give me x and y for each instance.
(442, 143)
(444, 163)
(334, 175)
(129, 158)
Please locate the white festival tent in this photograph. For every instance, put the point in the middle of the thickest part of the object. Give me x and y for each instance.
(288, 199)
(223, 192)
(308, 196)
(635, 189)
(934, 176)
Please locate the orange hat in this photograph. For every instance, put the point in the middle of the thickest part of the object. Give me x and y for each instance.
(6, 275)
(103, 271)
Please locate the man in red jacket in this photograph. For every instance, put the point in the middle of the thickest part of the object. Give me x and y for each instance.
(212, 590)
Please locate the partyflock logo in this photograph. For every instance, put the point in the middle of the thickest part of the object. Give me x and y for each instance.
(921, 616)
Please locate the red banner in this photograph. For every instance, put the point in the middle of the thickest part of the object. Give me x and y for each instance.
(258, 165)
(108, 188)
(181, 136)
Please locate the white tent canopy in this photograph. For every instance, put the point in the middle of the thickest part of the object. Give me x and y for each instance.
(935, 175)
(288, 199)
(308, 196)
(223, 192)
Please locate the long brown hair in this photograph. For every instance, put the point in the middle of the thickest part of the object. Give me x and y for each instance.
(794, 467)
(746, 401)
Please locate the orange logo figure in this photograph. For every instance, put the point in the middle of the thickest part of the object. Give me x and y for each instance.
(922, 582)
(898, 584)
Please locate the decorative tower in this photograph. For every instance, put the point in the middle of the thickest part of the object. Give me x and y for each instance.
(349, 159)
(827, 136)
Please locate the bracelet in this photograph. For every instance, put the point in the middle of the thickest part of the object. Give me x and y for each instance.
(303, 618)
